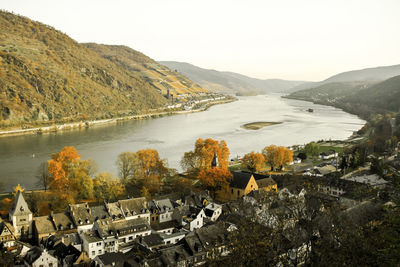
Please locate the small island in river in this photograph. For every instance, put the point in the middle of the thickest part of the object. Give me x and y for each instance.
(258, 125)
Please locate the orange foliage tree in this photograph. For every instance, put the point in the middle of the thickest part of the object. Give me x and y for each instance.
(277, 156)
(254, 162)
(59, 167)
(203, 154)
(70, 176)
(199, 162)
(215, 178)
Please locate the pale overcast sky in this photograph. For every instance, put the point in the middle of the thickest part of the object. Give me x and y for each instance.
(288, 39)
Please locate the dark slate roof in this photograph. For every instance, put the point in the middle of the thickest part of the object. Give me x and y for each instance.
(153, 240)
(240, 179)
(99, 212)
(258, 176)
(62, 221)
(133, 206)
(212, 235)
(108, 227)
(81, 213)
(112, 259)
(61, 251)
(20, 207)
(166, 225)
(33, 254)
(171, 256)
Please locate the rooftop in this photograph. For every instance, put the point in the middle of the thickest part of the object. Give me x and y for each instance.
(240, 179)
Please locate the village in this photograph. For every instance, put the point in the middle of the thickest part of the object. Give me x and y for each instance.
(199, 227)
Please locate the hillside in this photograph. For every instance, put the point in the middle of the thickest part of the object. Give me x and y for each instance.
(230, 82)
(382, 96)
(45, 77)
(330, 91)
(368, 75)
(360, 98)
(159, 76)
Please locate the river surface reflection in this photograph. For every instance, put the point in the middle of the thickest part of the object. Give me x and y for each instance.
(21, 156)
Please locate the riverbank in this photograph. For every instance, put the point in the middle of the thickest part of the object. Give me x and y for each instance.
(92, 123)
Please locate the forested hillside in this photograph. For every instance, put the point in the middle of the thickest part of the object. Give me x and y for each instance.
(46, 77)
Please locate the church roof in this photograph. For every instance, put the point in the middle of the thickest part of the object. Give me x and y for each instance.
(240, 179)
(20, 207)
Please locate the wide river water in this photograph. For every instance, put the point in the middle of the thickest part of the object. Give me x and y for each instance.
(21, 156)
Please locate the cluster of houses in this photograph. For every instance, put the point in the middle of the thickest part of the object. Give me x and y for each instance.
(171, 231)
(159, 232)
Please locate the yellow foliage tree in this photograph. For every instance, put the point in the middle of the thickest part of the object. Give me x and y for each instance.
(254, 162)
(277, 156)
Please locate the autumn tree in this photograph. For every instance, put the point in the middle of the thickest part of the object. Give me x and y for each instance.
(106, 187)
(277, 156)
(215, 178)
(143, 168)
(59, 167)
(126, 164)
(71, 176)
(312, 149)
(254, 162)
(203, 154)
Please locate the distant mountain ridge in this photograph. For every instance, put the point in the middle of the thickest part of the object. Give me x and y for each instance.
(230, 82)
(47, 76)
(368, 75)
(361, 98)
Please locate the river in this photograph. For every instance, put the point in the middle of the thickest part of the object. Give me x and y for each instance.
(21, 156)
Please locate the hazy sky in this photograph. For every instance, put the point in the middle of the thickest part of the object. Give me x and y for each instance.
(288, 39)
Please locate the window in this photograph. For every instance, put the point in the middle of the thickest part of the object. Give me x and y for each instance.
(99, 251)
(238, 192)
(50, 264)
(93, 252)
(232, 191)
(197, 222)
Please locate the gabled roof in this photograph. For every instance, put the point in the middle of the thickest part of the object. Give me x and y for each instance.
(62, 221)
(112, 259)
(240, 179)
(99, 212)
(44, 225)
(265, 182)
(212, 235)
(114, 210)
(108, 227)
(81, 214)
(133, 206)
(6, 229)
(153, 240)
(20, 207)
